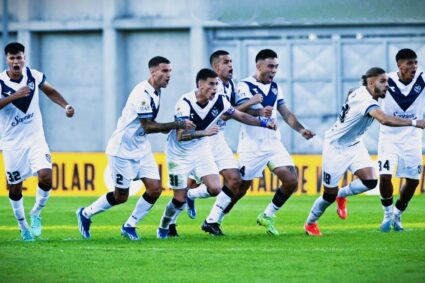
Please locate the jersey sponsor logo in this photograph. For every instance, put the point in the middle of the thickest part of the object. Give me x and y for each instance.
(405, 115)
(24, 120)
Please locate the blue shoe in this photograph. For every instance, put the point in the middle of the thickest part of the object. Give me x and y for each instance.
(191, 211)
(397, 224)
(129, 233)
(36, 225)
(27, 235)
(162, 233)
(386, 224)
(83, 223)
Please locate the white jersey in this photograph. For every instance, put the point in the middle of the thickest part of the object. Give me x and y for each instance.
(203, 118)
(403, 101)
(230, 93)
(20, 121)
(254, 138)
(354, 119)
(129, 139)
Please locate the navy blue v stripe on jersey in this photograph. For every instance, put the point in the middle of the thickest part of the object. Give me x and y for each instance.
(22, 103)
(202, 124)
(270, 98)
(405, 101)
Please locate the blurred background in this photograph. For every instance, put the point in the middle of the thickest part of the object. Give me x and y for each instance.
(95, 51)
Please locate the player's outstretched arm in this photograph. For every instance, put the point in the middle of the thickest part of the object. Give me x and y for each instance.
(57, 98)
(293, 122)
(392, 121)
(22, 92)
(253, 121)
(151, 126)
(187, 135)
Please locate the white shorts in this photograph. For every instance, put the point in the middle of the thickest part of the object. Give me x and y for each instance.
(21, 164)
(223, 155)
(406, 157)
(180, 167)
(337, 160)
(123, 171)
(252, 163)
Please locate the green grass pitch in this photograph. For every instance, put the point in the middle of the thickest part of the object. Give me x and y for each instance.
(351, 250)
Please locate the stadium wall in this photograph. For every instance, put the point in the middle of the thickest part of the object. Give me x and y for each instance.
(86, 174)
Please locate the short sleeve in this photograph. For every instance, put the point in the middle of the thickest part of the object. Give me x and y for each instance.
(142, 104)
(39, 77)
(280, 99)
(243, 94)
(182, 110)
(368, 105)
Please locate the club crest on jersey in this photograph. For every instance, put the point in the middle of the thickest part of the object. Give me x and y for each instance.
(49, 158)
(417, 88)
(214, 112)
(274, 90)
(31, 85)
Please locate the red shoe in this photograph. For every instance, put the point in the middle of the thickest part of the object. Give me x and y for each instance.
(342, 208)
(312, 229)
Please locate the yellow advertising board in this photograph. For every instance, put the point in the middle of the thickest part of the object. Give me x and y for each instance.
(82, 174)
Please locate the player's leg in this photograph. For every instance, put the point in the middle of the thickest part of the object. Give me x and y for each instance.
(200, 190)
(232, 182)
(387, 162)
(17, 202)
(41, 198)
(17, 170)
(212, 182)
(410, 168)
(121, 169)
(173, 208)
(335, 163)
(289, 179)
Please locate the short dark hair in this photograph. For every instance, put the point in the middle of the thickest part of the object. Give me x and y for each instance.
(14, 48)
(264, 54)
(155, 61)
(405, 54)
(205, 74)
(372, 72)
(216, 54)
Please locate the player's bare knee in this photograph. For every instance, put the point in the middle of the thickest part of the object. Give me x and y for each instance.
(370, 184)
(155, 190)
(214, 190)
(291, 184)
(234, 183)
(15, 191)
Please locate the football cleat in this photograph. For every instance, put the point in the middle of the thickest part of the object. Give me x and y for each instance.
(312, 229)
(83, 223)
(212, 228)
(36, 225)
(386, 224)
(341, 207)
(172, 231)
(191, 211)
(129, 233)
(268, 222)
(162, 233)
(27, 235)
(397, 224)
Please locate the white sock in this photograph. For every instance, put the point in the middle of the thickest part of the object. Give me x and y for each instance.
(100, 205)
(142, 208)
(397, 212)
(219, 206)
(18, 211)
(317, 210)
(177, 213)
(199, 192)
(41, 199)
(170, 215)
(271, 209)
(354, 188)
